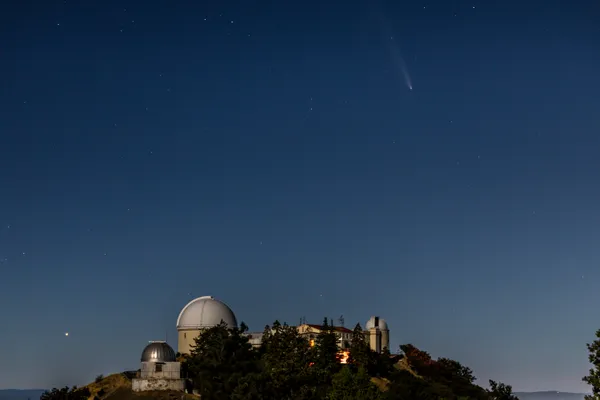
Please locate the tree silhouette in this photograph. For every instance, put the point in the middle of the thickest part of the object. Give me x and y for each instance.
(286, 361)
(360, 353)
(350, 385)
(500, 391)
(593, 379)
(66, 393)
(222, 365)
(219, 359)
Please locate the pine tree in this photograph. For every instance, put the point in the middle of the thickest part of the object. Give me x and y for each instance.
(326, 357)
(219, 359)
(593, 379)
(286, 362)
(360, 353)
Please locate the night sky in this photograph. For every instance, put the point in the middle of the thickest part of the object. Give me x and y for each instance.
(273, 155)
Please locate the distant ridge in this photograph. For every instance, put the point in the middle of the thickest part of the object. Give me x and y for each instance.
(21, 394)
(549, 395)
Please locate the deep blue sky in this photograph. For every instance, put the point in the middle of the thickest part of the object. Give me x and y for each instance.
(273, 156)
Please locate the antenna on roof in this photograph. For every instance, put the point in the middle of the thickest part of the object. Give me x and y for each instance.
(341, 320)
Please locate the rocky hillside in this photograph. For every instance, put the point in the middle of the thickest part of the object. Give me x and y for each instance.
(118, 387)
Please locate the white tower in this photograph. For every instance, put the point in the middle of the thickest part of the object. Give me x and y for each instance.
(377, 334)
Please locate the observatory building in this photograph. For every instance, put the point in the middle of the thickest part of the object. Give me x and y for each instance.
(201, 313)
(377, 334)
(206, 311)
(160, 370)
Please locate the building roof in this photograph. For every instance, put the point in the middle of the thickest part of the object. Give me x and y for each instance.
(205, 312)
(158, 352)
(335, 328)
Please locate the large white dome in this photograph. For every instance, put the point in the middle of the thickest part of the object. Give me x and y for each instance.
(205, 312)
(376, 322)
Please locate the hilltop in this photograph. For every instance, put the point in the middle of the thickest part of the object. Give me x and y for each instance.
(118, 387)
(549, 395)
(223, 365)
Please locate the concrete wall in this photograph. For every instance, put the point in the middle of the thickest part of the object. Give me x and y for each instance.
(152, 370)
(142, 385)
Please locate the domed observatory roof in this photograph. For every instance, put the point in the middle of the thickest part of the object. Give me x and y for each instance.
(158, 352)
(376, 322)
(205, 312)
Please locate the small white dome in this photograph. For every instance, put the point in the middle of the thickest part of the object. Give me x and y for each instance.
(376, 322)
(205, 312)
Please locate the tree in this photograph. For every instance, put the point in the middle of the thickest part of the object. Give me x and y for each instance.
(406, 386)
(350, 385)
(286, 362)
(593, 379)
(360, 353)
(500, 391)
(455, 370)
(459, 379)
(382, 364)
(326, 358)
(66, 393)
(218, 361)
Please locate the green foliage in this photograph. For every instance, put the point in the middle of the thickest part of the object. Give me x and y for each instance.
(99, 378)
(406, 386)
(593, 379)
(360, 353)
(326, 358)
(286, 360)
(222, 365)
(218, 361)
(66, 393)
(350, 385)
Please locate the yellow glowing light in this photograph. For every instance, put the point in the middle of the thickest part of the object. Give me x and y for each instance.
(344, 355)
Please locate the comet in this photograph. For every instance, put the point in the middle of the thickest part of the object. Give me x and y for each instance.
(395, 52)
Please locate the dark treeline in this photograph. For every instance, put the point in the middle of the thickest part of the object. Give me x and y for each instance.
(223, 365)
